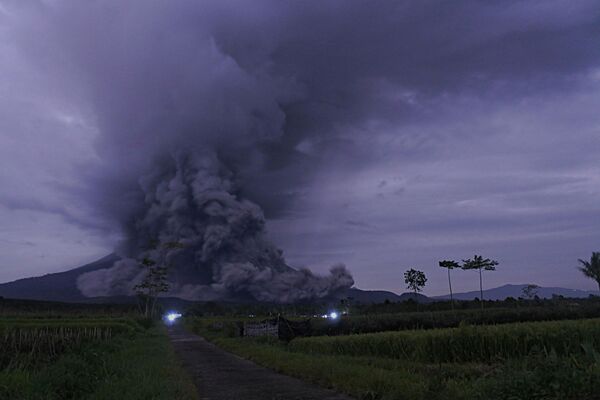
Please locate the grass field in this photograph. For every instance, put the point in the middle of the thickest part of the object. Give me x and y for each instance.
(88, 358)
(536, 360)
(392, 321)
(108, 353)
(464, 344)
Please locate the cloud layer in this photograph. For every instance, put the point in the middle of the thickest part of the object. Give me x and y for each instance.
(385, 136)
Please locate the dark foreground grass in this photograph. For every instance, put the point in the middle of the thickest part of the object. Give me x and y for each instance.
(543, 375)
(464, 344)
(137, 366)
(363, 378)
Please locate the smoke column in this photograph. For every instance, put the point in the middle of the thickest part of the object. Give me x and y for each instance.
(183, 127)
(199, 120)
(211, 116)
(192, 200)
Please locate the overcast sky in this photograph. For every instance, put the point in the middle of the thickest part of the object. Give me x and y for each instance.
(390, 135)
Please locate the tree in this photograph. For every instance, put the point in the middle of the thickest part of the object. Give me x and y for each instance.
(449, 264)
(155, 280)
(481, 264)
(530, 291)
(591, 268)
(415, 280)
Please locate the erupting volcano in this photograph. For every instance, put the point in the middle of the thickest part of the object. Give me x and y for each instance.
(223, 254)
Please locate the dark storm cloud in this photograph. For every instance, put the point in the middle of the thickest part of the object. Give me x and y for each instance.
(303, 107)
(265, 78)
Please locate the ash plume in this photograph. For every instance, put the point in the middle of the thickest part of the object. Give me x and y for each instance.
(211, 116)
(224, 254)
(184, 125)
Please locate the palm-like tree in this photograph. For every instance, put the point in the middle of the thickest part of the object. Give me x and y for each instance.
(591, 268)
(449, 264)
(481, 264)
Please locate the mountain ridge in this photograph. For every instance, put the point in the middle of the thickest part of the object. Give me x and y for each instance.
(516, 291)
(62, 286)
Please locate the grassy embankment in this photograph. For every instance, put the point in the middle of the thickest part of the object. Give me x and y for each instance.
(538, 360)
(99, 358)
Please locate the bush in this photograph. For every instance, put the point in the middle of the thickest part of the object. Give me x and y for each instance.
(146, 323)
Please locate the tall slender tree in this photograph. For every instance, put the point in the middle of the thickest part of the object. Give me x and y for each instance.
(481, 264)
(154, 283)
(591, 268)
(155, 280)
(449, 264)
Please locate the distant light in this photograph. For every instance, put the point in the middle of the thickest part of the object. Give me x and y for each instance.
(171, 317)
(333, 315)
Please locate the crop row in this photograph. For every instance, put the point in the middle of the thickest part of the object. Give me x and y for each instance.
(20, 322)
(448, 319)
(46, 340)
(463, 344)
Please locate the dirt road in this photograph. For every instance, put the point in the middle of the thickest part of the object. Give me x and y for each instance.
(220, 375)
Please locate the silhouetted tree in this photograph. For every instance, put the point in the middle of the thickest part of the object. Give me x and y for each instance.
(155, 280)
(591, 268)
(415, 280)
(481, 264)
(449, 264)
(530, 291)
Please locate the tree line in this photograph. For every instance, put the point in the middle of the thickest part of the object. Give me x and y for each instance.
(155, 280)
(415, 279)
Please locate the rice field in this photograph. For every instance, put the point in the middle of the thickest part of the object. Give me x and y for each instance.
(386, 321)
(99, 357)
(556, 360)
(463, 344)
(33, 341)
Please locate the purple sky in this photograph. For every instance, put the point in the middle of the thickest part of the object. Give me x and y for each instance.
(385, 135)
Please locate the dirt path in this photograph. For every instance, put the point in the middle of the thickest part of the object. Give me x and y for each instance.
(220, 375)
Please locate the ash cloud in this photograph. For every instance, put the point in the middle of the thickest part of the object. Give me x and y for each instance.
(210, 114)
(192, 200)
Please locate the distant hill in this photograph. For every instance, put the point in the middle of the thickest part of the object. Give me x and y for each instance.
(502, 292)
(61, 286)
(380, 296)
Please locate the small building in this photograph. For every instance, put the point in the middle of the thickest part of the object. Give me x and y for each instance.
(279, 327)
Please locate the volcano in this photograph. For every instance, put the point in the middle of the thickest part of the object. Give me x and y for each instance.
(62, 286)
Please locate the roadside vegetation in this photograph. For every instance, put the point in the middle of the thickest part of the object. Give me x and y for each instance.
(539, 360)
(88, 358)
(402, 316)
(464, 344)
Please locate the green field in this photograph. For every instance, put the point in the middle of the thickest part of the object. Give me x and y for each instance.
(392, 321)
(88, 358)
(534, 360)
(58, 351)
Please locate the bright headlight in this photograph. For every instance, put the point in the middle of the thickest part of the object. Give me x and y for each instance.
(171, 317)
